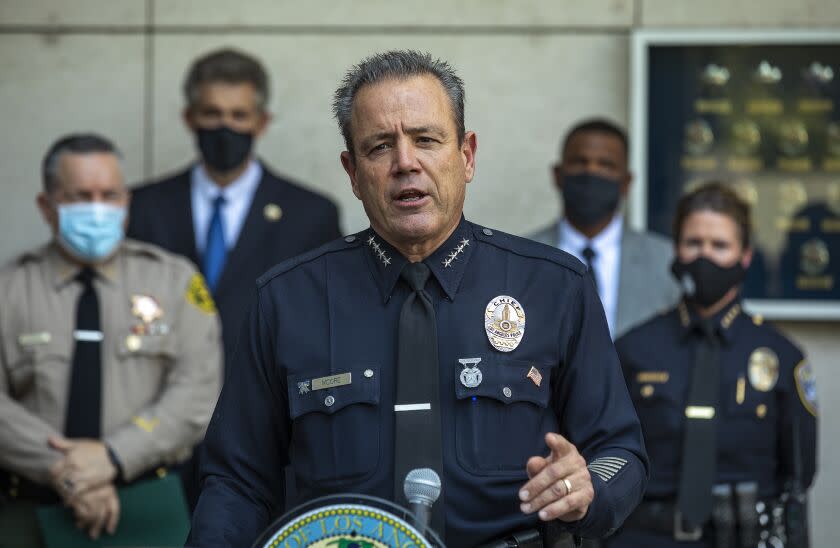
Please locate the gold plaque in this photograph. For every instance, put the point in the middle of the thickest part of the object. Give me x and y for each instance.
(504, 323)
(272, 212)
(332, 381)
(698, 137)
(792, 196)
(746, 137)
(814, 257)
(793, 137)
(763, 369)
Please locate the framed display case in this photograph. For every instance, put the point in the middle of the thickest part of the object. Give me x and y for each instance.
(759, 110)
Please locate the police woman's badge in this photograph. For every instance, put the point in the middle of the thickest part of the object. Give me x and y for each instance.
(504, 322)
(763, 369)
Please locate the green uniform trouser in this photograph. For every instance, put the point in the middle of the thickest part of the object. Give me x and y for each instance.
(19, 526)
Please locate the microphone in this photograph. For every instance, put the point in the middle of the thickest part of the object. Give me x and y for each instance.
(422, 489)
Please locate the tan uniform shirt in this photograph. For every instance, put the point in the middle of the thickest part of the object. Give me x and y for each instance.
(161, 357)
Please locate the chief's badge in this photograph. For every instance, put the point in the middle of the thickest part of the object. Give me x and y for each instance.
(146, 308)
(471, 375)
(806, 386)
(763, 369)
(504, 322)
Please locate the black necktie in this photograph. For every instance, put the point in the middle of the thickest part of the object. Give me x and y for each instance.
(699, 456)
(418, 427)
(84, 402)
(589, 255)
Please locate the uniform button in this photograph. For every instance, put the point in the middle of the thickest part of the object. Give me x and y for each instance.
(329, 401)
(506, 391)
(368, 373)
(487, 232)
(350, 239)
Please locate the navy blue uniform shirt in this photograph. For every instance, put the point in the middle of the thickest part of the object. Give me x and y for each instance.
(336, 310)
(766, 387)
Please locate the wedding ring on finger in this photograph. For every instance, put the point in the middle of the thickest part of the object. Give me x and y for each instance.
(568, 486)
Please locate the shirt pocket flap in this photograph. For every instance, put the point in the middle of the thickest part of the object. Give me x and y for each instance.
(507, 381)
(363, 388)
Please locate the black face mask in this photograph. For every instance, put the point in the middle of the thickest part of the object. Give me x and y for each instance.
(589, 199)
(224, 149)
(704, 282)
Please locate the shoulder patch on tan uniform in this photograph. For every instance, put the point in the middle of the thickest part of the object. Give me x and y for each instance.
(199, 296)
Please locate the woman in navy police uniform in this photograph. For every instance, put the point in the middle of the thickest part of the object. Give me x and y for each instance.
(727, 403)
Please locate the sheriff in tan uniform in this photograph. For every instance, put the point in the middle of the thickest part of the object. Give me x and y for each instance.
(160, 357)
(110, 352)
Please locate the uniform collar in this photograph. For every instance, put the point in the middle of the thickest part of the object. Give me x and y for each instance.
(64, 271)
(447, 263)
(724, 319)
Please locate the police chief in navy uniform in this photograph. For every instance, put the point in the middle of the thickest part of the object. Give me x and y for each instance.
(727, 403)
(533, 425)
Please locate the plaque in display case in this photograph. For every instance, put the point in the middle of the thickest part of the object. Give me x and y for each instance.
(759, 111)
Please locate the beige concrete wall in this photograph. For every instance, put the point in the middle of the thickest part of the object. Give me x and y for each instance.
(531, 67)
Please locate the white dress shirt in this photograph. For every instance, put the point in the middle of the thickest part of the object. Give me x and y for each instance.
(606, 263)
(238, 197)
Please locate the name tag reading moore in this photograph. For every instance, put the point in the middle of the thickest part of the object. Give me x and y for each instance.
(331, 382)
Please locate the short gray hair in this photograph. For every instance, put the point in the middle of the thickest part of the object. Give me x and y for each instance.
(396, 65)
(75, 143)
(227, 66)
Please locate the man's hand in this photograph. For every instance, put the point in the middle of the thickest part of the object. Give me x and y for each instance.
(84, 466)
(97, 508)
(560, 486)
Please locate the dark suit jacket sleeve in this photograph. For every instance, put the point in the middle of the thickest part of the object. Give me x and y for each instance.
(246, 443)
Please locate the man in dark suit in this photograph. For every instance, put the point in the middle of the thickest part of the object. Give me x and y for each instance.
(227, 212)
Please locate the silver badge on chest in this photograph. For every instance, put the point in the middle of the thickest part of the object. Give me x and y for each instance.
(504, 322)
(471, 375)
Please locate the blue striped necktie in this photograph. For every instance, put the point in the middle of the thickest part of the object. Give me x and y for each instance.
(215, 250)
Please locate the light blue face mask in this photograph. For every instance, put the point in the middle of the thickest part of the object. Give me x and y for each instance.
(90, 231)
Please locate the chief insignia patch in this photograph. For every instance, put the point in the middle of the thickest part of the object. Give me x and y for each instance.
(806, 386)
(763, 369)
(199, 296)
(504, 322)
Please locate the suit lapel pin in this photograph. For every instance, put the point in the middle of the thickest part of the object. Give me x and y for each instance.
(272, 213)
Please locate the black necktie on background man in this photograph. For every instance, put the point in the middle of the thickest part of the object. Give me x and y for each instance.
(699, 456)
(418, 433)
(84, 404)
(589, 254)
